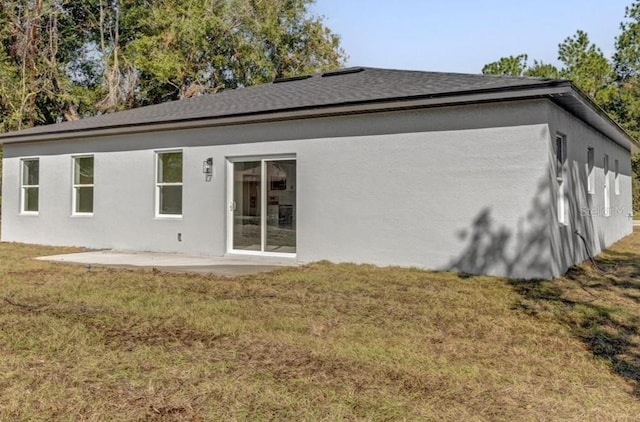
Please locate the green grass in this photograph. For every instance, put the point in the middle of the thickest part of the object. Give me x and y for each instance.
(320, 342)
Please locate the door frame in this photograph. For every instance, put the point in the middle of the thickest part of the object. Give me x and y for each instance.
(230, 160)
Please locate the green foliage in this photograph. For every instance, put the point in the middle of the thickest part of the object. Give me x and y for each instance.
(540, 69)
(63, 59)
(587, 67)
(614, 84)
(627, 56)
(626, 61)
(188, 48)
(635, 167)
(511, 66)
(518, 66)
(38, 42)
(582, 61)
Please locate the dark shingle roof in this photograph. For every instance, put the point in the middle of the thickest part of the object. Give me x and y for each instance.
(343, 87)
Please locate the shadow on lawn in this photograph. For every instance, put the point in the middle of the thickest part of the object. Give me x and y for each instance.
(601, 309)
(609, 330)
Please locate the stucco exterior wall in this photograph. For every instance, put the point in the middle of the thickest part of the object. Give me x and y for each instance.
(464, 188)
(586, 211)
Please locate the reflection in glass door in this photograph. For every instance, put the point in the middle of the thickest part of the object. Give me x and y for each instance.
(264, 206)
(247, 215)
(281, 206)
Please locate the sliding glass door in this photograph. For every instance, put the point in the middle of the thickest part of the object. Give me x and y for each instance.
(263, 206)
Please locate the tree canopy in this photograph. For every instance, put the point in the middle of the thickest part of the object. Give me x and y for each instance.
(511, 66)
(583, 63)
(612, 83)
(64, 59)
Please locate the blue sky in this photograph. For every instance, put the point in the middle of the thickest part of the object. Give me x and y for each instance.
(463, 35)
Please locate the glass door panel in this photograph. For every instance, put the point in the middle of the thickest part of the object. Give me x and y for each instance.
(281, 206)
(247, 206)
(264, 206)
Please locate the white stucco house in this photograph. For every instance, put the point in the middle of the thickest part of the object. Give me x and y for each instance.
(480, 174)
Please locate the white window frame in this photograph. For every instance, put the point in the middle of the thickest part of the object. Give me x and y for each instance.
(24, 187)
(561, 168)
(159, 185)
(591, 173)
(263, 202)
(606, 192)
(616, 177)
(75, 187)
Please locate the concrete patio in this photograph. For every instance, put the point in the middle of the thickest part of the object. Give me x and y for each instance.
(229, 266)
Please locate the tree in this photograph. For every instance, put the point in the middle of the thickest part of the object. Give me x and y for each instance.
(540, 69)
(518, 66)
(189, 48)
(627, 55)
(627, 67)
(587, 67)
(37, 42)
(63, 59)
(583, 63)
(511, 66)
(613, 85)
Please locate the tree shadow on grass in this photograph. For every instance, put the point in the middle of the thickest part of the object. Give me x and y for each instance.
(601, 309)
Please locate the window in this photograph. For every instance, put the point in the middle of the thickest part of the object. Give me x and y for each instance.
(169, 183)
(562, 202)
(560, 156)
(607, 200)
(591, 174)
(30, 182)
(616, 179)
(83, 185)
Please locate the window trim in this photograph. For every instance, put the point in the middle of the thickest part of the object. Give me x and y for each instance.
(562, 202)
(23, 186)
(591, 171)
(158, 184)
(606, 192)
(74, 186)
(560, 158)
(616, 177)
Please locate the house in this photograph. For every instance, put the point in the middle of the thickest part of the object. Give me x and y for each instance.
(475, 173)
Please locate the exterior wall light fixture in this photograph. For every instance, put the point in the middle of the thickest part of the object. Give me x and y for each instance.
(207, 166)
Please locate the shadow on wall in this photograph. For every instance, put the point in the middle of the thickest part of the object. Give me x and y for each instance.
(610, 332)
(495, 249)
(540, 247)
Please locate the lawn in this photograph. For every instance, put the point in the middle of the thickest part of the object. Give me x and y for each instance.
(319, 342)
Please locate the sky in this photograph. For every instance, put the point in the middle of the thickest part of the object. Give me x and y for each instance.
(464, 35)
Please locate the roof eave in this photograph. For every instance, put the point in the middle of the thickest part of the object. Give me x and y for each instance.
(598, 118)
(557, 91)
(291, 114)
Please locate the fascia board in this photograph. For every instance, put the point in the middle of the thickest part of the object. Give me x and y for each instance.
(357, 108)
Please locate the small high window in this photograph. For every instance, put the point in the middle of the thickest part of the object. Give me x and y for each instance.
(83, 185)
(169, 183)
(30, 185)
(562, 200)
(591, 174)
(616, 180)
(607, 200)
(560, 157)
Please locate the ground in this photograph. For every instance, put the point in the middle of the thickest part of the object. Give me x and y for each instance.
(318, 342)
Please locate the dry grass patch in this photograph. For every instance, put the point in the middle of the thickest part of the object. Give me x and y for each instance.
(321, 342)
(599, 304)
